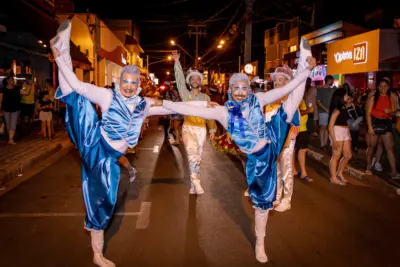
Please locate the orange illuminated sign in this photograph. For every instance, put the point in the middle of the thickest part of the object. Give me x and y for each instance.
(355, 54)
(360, 53)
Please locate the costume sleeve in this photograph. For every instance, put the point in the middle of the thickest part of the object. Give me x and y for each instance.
(180, 82)
(291, 104)
(218, 113)
(157, 110)
(97, 95)
(271, 96)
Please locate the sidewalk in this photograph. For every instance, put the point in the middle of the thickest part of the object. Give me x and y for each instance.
(379, 180)
(15, 159)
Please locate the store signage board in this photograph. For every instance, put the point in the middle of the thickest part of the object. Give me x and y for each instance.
(359, 54)
(355, 54)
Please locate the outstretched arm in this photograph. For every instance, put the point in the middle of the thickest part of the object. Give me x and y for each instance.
(180, 78)
(160, 110)
(218, 113)
(273, 95)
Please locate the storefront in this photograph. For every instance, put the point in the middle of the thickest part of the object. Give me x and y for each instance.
(363, 59)
(113, 53)
(22, 54)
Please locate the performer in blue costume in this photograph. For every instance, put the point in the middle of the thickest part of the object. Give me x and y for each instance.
(262, 142)
(100, 142)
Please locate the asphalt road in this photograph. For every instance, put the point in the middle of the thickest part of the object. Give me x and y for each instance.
(159, 224)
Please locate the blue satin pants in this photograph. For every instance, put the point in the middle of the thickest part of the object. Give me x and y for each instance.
(100, 167)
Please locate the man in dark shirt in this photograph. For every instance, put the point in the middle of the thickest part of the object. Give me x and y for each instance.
(324, 97)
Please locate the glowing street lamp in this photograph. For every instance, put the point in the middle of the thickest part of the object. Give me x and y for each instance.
(167, 72)
(169, 58)
(219, 46)
(172, 42)
(199, 58)
(222, 42)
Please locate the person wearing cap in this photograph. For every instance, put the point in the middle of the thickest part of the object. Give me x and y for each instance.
(101, 142)
(282, 76)
(261, 141)
(194, 130)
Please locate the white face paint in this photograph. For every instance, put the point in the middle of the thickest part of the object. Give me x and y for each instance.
(240, 90)
(128, 84)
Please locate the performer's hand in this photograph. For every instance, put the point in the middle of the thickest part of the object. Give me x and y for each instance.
(175, 55)
(312, 62)
(211, 104)
(212, 136)
(157, 102)
(56, 53)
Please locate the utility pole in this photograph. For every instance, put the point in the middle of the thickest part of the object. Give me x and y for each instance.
(148, 73)
(248, 31)
(313, 15)
(198, 30)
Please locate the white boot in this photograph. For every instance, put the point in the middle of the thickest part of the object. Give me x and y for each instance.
(192, 190)
(197, 187)
(97, 245)
(246, 193)
(261, 218)
(63, 37)
(132, 174)
(283, 206)
(63, 46)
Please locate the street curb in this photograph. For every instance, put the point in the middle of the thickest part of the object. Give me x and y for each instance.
(373, 180)
(18, 167)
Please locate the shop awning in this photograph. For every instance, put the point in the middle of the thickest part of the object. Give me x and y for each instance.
(79, 60)
(133, 45)
(115, 56)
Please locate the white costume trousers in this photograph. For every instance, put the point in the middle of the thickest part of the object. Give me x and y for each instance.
(194, 138)
(285, 174)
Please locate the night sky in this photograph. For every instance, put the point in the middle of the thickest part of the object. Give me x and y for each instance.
(161, 20)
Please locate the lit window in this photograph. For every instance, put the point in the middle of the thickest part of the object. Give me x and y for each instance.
(293, 48)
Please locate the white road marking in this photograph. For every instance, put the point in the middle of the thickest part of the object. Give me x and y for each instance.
(59, 214)
(143, 220)
(156, 149)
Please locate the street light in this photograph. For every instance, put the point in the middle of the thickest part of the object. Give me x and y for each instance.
(172, 42)
(199, 58)
(219, 46)
(167, 72)
(169, 58)
(222, 42)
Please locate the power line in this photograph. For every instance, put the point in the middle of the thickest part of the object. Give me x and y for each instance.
(219, 12)
(234, 15)
(168, 4)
